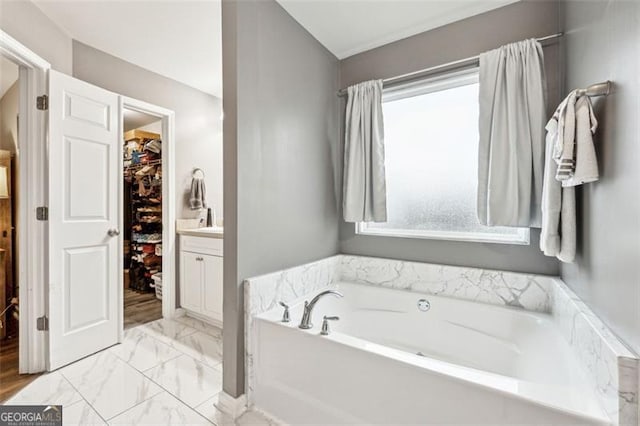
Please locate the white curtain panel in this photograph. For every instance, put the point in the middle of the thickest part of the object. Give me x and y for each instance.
(512, 120)
(364, 186)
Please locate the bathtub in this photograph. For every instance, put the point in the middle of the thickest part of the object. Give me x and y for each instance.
(402, 357)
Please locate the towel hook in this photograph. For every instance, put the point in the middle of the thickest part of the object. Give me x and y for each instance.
(195, 172)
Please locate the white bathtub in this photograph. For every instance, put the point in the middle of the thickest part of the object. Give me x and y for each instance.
(387, 362)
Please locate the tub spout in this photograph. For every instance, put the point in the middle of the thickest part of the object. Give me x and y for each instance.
(305, 323)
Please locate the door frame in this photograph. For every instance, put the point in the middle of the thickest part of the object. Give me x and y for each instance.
(169, 278)
(32, 233)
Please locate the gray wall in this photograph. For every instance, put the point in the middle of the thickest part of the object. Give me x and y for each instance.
(198, 126)
(281, 145)
(23, 21)
(603, 42)
(455, 41)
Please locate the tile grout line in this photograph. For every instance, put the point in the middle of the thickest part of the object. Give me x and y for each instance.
(82, 398)
(160, 385)
(171, 393)
(105, 351)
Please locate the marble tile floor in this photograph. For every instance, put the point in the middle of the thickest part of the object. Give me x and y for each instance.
(164, 372)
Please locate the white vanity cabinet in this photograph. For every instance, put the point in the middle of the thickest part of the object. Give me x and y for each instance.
(201, 277)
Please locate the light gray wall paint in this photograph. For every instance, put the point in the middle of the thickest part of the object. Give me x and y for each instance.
(26, 23)
(281, 143)
(198, 126)
(603, 42)
(451, 42)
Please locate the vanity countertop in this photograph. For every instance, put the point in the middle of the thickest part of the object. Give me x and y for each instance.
(210, 232)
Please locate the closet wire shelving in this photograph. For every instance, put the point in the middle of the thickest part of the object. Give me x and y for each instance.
(144, 232)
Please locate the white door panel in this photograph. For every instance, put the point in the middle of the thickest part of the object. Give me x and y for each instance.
(84, 178)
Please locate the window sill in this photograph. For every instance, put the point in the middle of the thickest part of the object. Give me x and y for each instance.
(522, 238)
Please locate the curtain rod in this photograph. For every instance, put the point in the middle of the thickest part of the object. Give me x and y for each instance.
(473, 60)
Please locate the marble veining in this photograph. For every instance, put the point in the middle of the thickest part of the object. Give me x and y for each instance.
(108, 388)
(50, 388)
(162, 409)
(109, 384)
(81, 414)
(188, 379)
(167, 330)
(527, 291)
(142, 351)
(612, 367)
(264, 292)
(202, 347)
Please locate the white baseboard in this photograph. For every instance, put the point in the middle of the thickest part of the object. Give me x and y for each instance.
(230, 405)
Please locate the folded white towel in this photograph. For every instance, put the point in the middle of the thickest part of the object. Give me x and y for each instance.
(198, 194)
(563, 151)
(586, 163)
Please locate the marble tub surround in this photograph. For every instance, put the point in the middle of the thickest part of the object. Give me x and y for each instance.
(264, 292)
(613, 369)
(164, 372)
(527, 291)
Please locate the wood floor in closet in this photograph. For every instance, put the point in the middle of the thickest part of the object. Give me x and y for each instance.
(140, 308)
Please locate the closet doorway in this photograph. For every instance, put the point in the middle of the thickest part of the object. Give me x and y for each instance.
(147, 214)
(142, 218)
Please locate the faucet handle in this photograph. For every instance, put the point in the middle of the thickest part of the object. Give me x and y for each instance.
(325, 324)
(285, 314)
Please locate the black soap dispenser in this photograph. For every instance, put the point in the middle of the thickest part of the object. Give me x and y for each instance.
(209, 218)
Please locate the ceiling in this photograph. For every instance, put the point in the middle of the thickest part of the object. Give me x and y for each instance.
(347, 27)
(8, 75)
(136, 119)
(179, 39)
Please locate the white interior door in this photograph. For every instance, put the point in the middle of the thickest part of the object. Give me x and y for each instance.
(84, 265)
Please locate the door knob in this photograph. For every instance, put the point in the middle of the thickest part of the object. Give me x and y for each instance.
(113, 232)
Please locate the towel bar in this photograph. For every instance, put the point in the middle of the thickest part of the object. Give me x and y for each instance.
(598, 89)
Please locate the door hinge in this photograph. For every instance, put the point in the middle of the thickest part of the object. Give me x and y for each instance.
(42, 213)
(42, 102)
(42, 323)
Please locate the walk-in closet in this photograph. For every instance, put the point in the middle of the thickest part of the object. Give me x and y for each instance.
(142, 218)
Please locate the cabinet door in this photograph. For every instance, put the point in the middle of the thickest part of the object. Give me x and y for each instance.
(213, 279)
(191, 282)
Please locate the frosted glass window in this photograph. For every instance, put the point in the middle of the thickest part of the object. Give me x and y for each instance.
(431, 147)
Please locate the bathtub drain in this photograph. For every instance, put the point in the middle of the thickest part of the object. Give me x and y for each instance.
(424, 305)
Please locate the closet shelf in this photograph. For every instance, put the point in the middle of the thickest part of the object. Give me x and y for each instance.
(141, 165)
(137, 134)
(144, 184)
(146, 242)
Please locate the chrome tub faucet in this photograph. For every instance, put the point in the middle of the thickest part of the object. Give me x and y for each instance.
(305, 323)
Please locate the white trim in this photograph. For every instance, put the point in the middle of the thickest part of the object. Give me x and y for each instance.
(32, 233)
(234, 407)
(19, 54)
(169, 278)
(521, 238)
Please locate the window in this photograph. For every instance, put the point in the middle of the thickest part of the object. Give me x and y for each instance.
(431, 148)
